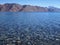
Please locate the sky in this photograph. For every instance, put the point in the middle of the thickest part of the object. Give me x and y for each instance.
(43, 3)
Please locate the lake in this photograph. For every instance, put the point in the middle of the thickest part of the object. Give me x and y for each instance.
(30, 28)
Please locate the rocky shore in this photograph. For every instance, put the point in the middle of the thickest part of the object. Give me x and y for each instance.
(28, 35)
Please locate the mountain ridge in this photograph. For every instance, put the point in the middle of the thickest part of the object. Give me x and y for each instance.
(13, 7)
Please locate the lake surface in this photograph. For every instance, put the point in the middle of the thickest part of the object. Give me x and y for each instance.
(30, 28)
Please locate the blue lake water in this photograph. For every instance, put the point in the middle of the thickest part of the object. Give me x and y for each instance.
(46, 25)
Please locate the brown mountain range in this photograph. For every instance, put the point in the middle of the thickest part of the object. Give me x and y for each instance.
(17, 8)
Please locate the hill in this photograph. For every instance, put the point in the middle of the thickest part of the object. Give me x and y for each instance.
(26, 8)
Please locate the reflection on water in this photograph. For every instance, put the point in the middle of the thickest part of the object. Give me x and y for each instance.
(29, 28)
